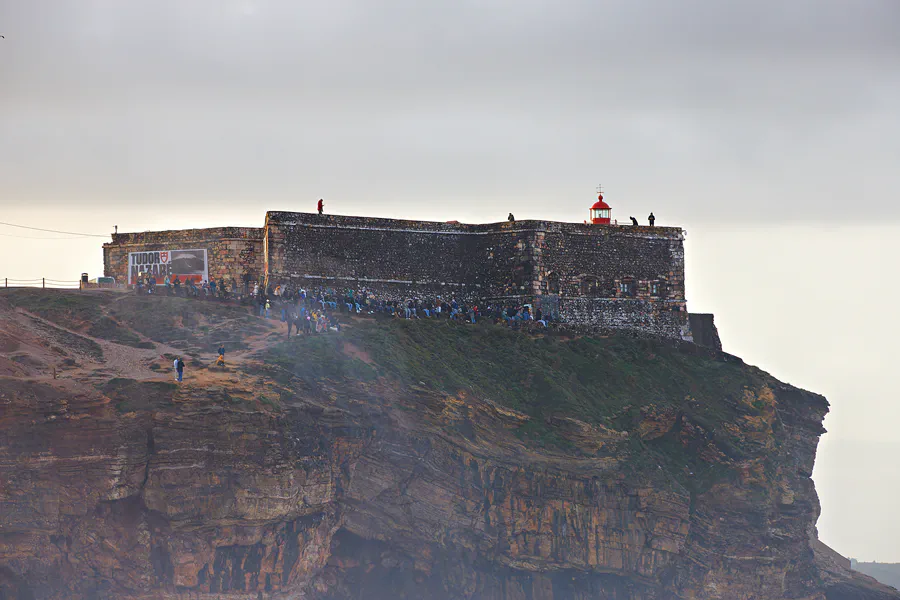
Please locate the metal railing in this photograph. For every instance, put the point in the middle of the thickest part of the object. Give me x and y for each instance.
(46, 283)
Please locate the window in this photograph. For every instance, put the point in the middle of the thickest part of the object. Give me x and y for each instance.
(590, 286)
(626, 287)
(553, 283)
(520, 275)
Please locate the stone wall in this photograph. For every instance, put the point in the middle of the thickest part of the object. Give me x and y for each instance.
(608, 276)
(703, 328)
(400, 258)
(232, 251)
(595, 260)
(656, 318)
(613, 277)
(518, 259)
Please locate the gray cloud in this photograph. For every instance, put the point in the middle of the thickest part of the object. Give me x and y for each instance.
(713, 111)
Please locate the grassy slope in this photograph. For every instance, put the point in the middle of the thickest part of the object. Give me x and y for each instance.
(116, 317)
(599, 380)
(588, 378)
(196, 323)
(86, 313)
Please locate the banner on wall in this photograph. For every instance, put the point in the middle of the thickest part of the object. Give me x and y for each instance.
(186, 264)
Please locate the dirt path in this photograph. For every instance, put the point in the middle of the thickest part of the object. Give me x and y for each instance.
(118, 360)
(55, 343)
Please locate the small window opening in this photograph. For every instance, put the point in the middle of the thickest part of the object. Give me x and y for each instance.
(590, 286)
(553, 283)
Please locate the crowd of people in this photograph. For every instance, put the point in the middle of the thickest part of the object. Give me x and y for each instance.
(186, 287)
(316, 310)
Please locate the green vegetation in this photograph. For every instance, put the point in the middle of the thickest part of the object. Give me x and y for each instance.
(65, 308)
(65, 340)
(119, 318)
(83, 312)
(187, 323)
(592, 379)
(108, 329)
(315, 358)
(270, 402)
(602, 380)
(599, 380)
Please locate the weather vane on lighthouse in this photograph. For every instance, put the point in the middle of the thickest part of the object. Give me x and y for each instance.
(600, 211)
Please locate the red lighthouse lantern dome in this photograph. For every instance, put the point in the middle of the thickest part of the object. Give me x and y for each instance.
(600, 212)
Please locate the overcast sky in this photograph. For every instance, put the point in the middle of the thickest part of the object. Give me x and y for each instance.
(770, 130)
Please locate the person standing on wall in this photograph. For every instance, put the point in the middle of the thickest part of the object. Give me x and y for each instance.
(321, 206)
(652, 219)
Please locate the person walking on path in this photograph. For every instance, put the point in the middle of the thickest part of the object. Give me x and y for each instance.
(321, 206)
(179, 369)
(652, 219)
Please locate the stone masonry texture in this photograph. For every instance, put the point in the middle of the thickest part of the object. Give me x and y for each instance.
(233, 252)
(605, 276)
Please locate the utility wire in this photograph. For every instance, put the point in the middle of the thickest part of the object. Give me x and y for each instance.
(54, 230)
(28, 237)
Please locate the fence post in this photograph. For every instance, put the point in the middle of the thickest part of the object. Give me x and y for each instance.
(43, 283)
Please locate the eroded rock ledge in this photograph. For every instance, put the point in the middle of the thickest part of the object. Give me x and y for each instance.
(332, 468)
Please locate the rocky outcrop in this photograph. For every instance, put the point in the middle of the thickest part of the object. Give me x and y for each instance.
(262, 481)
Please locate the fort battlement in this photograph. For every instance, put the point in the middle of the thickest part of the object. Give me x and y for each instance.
(604, 275)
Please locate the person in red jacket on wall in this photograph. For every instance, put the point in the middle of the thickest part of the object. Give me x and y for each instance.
(321, 205)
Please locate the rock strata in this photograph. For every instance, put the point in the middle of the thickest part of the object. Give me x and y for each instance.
(265, 481)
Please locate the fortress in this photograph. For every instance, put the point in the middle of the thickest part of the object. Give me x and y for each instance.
(599, 274)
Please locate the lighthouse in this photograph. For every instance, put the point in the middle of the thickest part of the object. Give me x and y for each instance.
(600, 212)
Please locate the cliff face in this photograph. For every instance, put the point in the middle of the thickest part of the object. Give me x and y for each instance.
(393, 460)
(886, 573)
